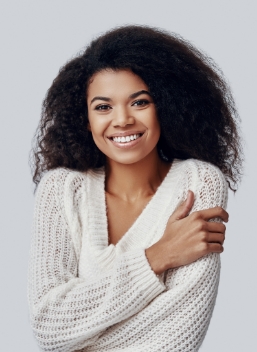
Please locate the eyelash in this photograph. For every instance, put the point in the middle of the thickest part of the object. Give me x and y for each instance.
(143, 102)
(102, 107)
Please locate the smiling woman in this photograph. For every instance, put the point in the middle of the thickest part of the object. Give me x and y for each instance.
(126, 129)
(135, 151)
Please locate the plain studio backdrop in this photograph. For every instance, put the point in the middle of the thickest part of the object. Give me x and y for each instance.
(37, 38)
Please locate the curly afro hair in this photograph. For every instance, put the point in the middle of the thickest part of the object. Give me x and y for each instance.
(195, 107)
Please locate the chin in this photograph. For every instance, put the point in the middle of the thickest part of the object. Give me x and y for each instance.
(128, 159)
(124, 160)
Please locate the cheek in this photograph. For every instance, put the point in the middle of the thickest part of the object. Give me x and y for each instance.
(154, 125)
(95, 125)
(156, 131)
(97, 128)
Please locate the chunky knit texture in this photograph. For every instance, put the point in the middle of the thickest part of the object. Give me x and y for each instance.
(86, 295)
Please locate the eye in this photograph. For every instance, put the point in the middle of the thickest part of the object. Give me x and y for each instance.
(103, 107)
(141, 102)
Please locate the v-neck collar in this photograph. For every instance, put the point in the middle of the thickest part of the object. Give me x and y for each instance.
(142, 230)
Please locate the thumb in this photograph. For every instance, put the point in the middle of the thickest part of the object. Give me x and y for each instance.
(185, 207)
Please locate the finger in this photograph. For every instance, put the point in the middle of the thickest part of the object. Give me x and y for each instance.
(216, 227)
(216, 238)
(185, 207)
(213, 213)
(215, 248)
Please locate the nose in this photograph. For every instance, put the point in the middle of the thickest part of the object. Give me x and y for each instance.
(122, 117)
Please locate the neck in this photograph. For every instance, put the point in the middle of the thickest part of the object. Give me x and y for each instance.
(132, 181)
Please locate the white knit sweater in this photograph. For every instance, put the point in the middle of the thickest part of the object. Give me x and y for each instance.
(86, 295)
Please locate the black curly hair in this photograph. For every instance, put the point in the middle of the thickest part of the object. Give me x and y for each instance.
(195, 107)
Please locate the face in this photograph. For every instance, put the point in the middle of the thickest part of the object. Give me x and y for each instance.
(122, 116)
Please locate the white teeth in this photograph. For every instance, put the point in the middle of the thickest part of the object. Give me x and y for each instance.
(126, 139)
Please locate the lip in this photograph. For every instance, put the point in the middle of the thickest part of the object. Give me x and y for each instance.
(126, 145)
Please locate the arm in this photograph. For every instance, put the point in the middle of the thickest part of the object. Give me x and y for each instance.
(177, 320)
(67, 312)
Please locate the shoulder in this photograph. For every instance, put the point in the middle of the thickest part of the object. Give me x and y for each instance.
(63, 178)
(54, 185)
(68, 186)
(59, 176)
(199, 170)
(205, 179)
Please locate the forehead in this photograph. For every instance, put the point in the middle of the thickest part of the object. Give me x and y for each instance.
(110, 83)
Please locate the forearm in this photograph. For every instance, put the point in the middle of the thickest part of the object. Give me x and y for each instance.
(176, 320)
(75, 312)
(156, 256)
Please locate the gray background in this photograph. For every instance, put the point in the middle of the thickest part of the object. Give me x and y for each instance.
(37, 37)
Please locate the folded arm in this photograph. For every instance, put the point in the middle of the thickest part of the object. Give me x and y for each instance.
(178, 319)
(67, 312)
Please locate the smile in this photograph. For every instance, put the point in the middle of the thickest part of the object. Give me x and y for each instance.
(126, 142)
(126, 139)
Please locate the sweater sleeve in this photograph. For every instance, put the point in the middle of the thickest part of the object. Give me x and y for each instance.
(177, 320)
(69, 313)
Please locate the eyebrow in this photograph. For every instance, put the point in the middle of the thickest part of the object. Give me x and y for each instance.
(100, 98)
(135, 95)
(132, 96)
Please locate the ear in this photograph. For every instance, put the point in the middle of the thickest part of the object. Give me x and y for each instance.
(89, 127)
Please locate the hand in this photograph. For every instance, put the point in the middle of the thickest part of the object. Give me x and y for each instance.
(188, 237)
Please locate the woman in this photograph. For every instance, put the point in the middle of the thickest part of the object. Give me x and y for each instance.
(137, 143)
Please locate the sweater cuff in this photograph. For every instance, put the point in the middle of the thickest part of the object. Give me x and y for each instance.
(143, 277)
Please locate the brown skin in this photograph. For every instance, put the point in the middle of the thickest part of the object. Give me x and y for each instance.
(128, 190)
(133, 174)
